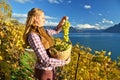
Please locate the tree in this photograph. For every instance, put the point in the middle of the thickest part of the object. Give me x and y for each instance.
(5, 9)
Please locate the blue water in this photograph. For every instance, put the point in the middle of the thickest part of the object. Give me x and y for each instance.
(97, 41)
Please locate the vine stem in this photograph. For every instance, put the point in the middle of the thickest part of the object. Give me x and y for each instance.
(77, 66)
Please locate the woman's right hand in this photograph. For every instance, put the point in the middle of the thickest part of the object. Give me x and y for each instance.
(61, 23)
(64, 19)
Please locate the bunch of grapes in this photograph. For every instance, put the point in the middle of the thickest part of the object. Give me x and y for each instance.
(61, 45)
(65, 28)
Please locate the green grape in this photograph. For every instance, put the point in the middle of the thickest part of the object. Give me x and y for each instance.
(61, 45)
(65, 28)
(67, 46)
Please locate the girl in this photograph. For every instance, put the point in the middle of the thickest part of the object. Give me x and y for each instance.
(40, 40)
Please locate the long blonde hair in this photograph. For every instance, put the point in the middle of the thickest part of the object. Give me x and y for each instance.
(31, 21)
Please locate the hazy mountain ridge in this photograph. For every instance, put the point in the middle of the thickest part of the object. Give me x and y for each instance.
(113, 29)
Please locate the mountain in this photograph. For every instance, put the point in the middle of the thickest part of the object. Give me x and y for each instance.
(71, 30)
(87, 30)
(113, 29)
(74, 30)
(91, 30)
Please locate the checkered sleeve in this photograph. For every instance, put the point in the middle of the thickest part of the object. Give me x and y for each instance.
(35, 43)
(52, 31)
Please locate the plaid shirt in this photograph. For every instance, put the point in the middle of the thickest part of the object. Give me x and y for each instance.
(47, 63)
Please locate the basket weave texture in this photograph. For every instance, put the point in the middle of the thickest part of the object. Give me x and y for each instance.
(62, 55)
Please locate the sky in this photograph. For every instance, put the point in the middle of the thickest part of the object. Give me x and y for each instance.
(98, 14)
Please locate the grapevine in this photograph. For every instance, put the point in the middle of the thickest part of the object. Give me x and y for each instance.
(96, 65)
(16, 64)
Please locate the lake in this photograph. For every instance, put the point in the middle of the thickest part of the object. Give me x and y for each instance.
(97, 41)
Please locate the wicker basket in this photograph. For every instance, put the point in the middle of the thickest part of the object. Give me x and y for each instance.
(62, 55)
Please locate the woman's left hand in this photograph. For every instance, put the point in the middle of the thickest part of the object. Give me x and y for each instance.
(68, 60)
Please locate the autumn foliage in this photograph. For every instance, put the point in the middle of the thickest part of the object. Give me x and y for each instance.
(18, 64)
